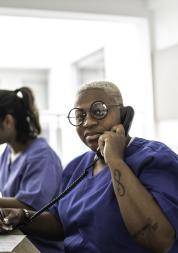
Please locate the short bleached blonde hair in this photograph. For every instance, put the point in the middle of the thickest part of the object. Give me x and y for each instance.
(108, 87)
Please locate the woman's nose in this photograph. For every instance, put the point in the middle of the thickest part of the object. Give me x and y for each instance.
(89, 120)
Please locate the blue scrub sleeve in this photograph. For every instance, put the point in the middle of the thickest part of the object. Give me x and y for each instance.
(160, 177)
(40, 182)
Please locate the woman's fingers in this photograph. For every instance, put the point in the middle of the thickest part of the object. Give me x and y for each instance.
(4, 222)
(118, 129)
(9, 218)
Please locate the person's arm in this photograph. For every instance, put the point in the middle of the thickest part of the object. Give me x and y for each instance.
(141, 214)
(8, 202)
(45, 225)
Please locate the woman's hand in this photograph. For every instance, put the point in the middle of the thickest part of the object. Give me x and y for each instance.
(10, 219)
(112, 143)
(45, 225)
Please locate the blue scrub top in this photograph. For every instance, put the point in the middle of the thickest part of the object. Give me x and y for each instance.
(90, 213)
(34, 178)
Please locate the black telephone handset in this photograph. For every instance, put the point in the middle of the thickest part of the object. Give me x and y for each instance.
(127, 114)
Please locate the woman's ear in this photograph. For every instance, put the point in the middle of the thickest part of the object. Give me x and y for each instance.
(8, 121)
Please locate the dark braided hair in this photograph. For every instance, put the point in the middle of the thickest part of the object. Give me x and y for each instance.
(21, 105)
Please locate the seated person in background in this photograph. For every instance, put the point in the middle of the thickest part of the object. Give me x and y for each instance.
(128, 200)
(30, 171)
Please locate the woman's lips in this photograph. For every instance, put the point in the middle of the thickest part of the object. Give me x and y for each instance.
(92, 137)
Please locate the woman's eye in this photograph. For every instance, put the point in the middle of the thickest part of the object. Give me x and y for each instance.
(79, 115)
(99, 113)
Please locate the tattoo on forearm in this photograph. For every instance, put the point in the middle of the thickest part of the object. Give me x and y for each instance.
(149, 227)
(119, 185)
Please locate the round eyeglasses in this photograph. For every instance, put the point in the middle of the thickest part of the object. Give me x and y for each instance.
(98, 110)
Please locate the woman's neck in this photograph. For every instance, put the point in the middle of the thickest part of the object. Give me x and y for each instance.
(99, 165)
(17, 147)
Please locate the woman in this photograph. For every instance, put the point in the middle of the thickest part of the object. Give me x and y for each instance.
(30, 171)
(128, 199)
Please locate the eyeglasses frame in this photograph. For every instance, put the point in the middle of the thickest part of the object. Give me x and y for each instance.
(85, 112)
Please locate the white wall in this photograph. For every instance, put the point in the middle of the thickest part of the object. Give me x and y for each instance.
(113, 7)
(128, 63)
(36, 79)
(164, 30)
(165, 20)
